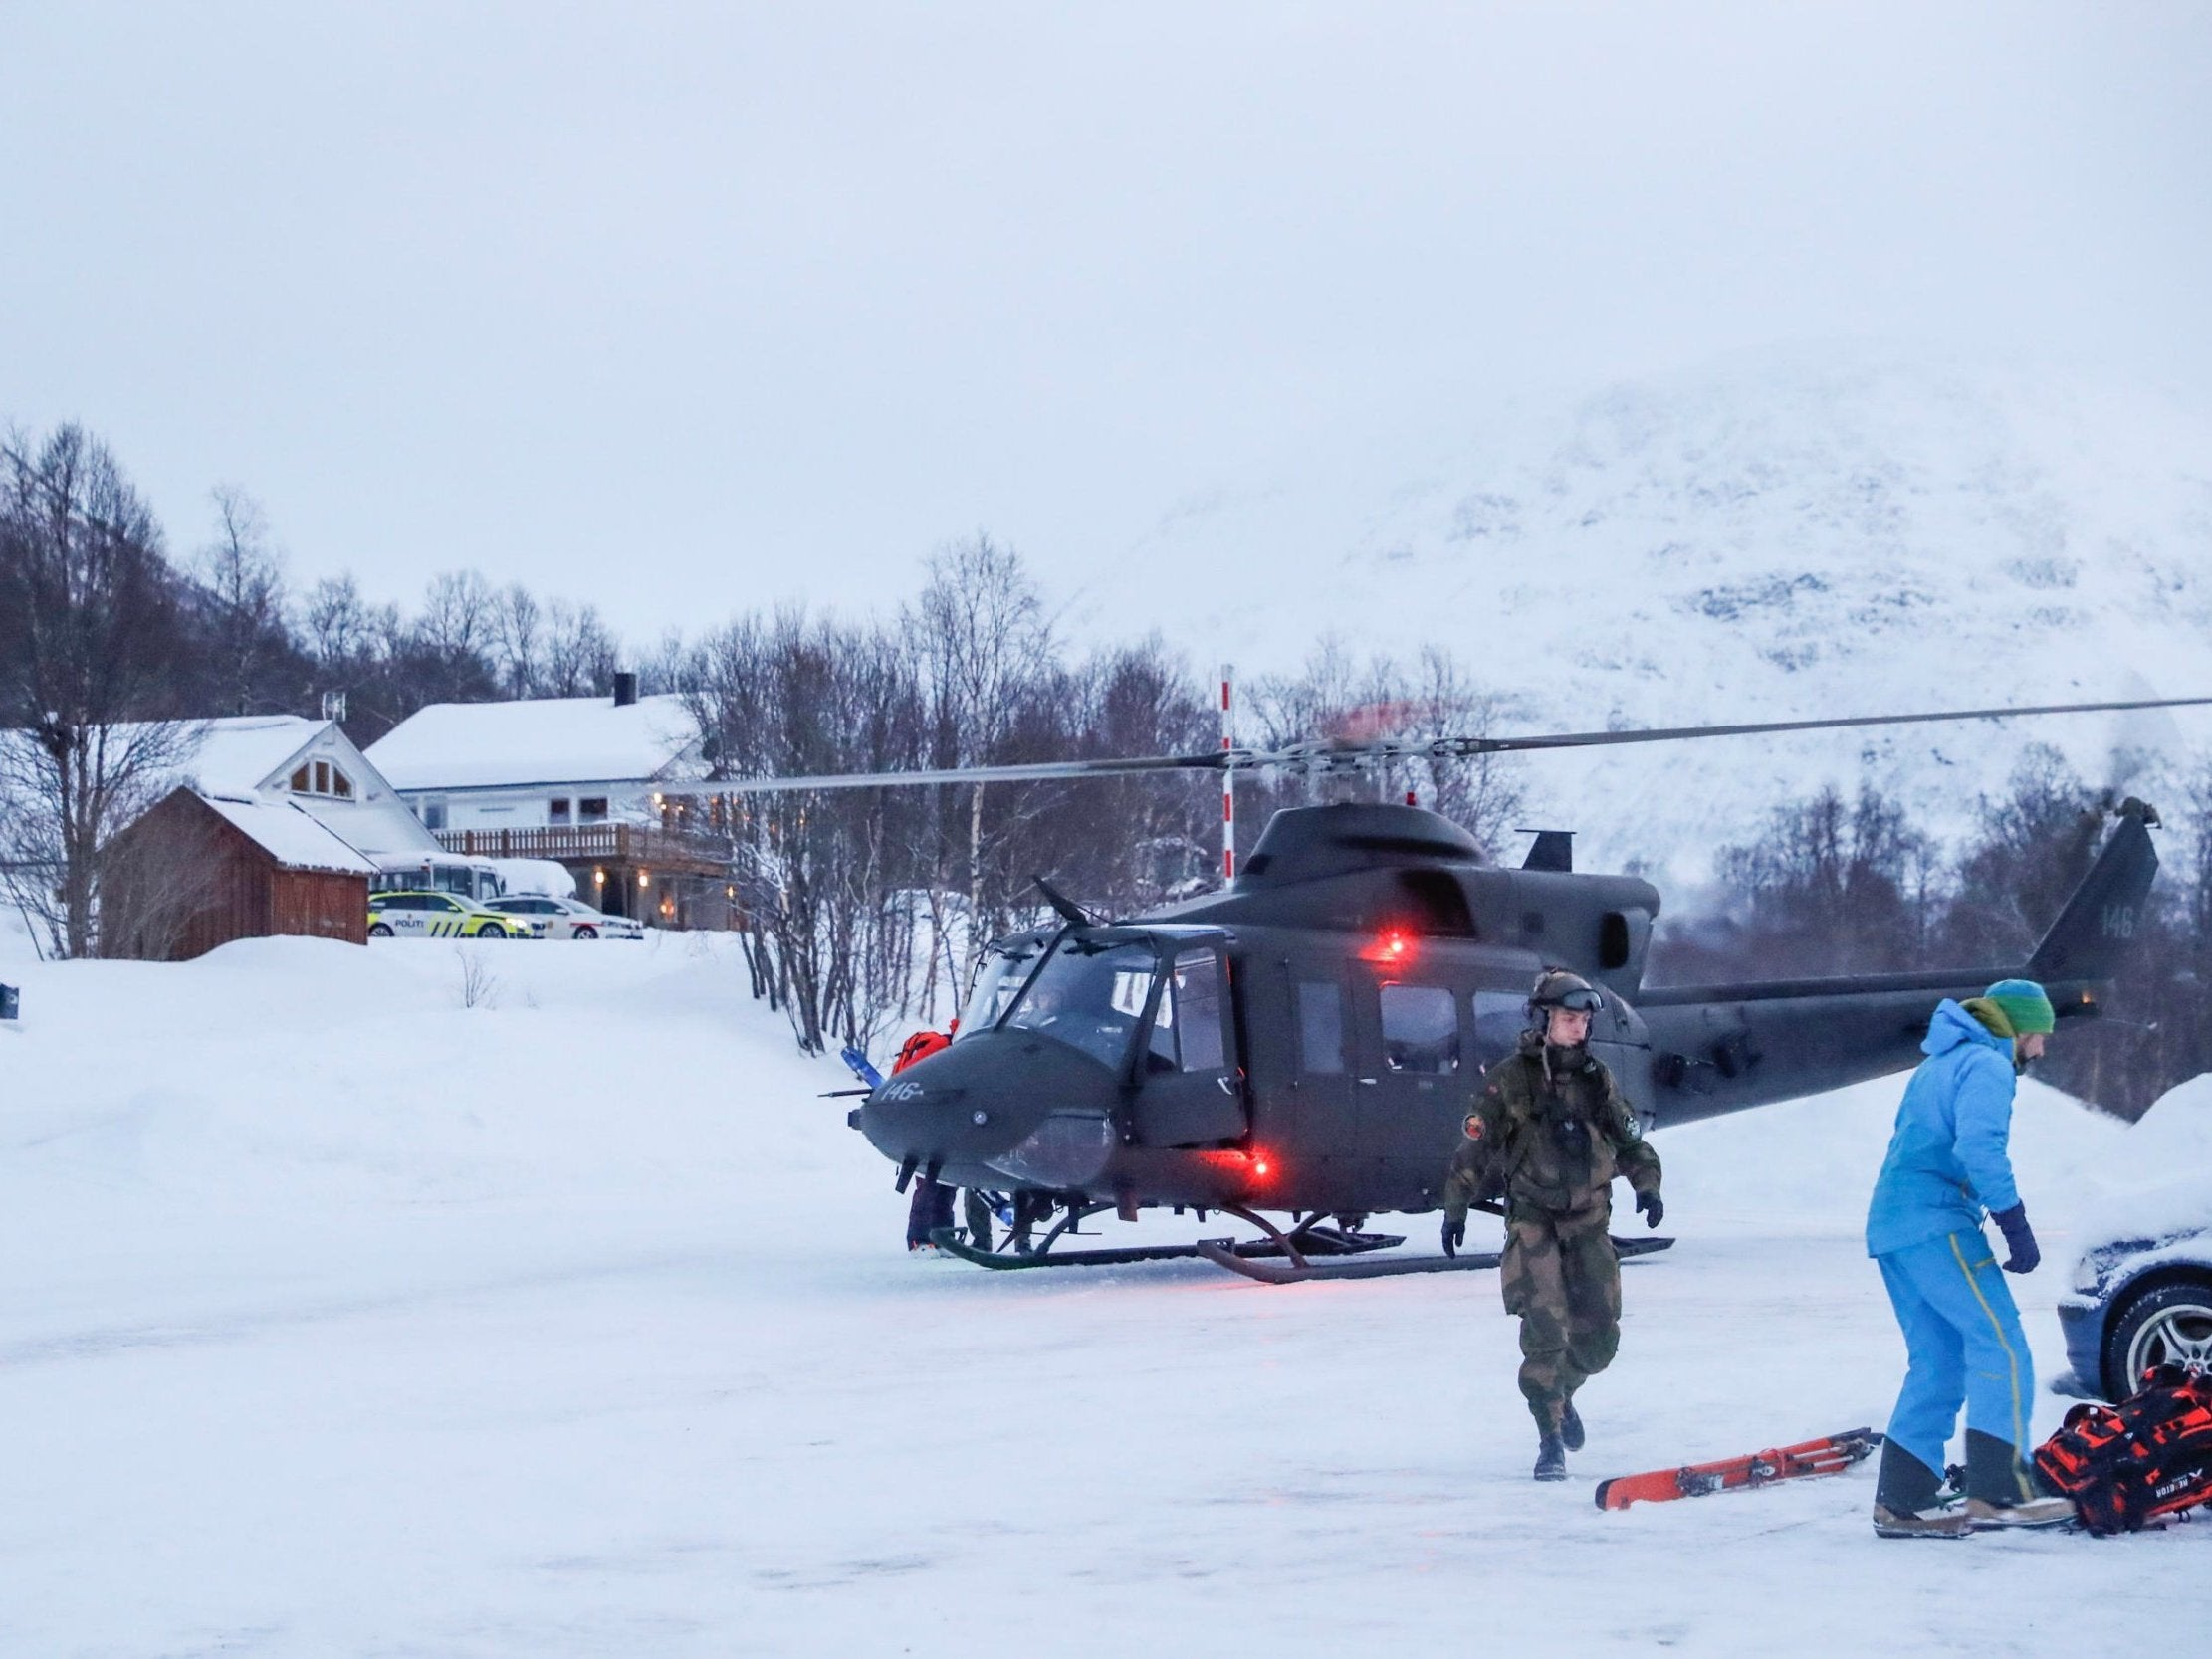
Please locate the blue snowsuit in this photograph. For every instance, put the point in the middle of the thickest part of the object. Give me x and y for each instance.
(1946, 1164)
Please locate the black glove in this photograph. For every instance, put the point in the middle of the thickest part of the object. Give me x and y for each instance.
(1652, 1207)
(1454, 1234)
(2020, 1239)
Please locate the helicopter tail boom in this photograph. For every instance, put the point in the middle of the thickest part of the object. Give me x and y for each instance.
(1723, 1048)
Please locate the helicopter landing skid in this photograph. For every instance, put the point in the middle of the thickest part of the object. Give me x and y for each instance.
(1219, 1254)
(1303, 1239)
(1007, 1261)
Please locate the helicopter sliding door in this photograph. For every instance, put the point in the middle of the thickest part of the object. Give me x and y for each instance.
(1190, 1088)
(1416, 1076)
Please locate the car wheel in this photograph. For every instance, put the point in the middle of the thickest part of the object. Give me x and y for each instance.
(586, 932)
(380, 929)
(2167, 1324)
(491, 929)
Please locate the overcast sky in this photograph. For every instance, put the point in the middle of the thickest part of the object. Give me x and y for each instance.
(683, 309)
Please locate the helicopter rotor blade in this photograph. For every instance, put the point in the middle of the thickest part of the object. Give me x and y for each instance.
(1327, 757)
(1681, 733)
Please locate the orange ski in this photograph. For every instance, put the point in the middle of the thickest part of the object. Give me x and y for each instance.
(1832, 1454)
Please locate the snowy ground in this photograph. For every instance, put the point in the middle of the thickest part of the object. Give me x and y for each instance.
(338, 1318)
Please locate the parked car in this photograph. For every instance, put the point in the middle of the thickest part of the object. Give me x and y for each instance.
(442, 916)
(2142, 1295)
(566, 917)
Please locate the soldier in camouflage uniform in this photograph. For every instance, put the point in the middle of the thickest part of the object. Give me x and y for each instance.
(1549, 1134)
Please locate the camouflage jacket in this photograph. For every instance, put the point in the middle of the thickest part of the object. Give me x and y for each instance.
(1548, 1136)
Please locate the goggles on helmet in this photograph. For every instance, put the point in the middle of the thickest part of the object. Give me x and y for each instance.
(1580, 1000)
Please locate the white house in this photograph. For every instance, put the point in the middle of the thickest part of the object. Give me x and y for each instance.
(573, 780)
(540, 763)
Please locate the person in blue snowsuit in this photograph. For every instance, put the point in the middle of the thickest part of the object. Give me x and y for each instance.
(1948, 1164)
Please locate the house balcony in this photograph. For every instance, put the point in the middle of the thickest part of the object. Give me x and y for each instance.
(626, 846)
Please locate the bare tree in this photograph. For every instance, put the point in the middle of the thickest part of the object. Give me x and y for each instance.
(518, 635)
(582, 651)
(457, 614)
(341, 627)
(242, 575)
(90, 612)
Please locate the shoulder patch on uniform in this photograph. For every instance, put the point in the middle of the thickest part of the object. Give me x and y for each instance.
(1474, 1125)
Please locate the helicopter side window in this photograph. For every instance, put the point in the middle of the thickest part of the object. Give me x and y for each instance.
(998, 979)
(1321, 1028)
(1499, 1019)
(1199, 1014)
(1420, 1029)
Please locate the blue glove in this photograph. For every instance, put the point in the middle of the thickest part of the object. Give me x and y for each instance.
(2020, 1239)
(1653, 1208)
(1454, 1234)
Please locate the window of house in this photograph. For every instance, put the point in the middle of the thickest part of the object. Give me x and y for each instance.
(1420, 1029)
(433, 815)
(319, 778)
(557, 812)
(1320, 1026)
(593, 809)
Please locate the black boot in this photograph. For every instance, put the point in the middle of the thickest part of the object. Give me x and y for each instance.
(1551, 1459)
(2001, 1491)
(1570, 1427)
(1909, 1499)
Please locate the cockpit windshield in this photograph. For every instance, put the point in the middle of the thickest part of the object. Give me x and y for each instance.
(1090, 996)
(999, 978)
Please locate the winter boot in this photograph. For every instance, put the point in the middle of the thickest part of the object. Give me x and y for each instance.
(2000, 1491)
(1909, 1499)
(1570, 1427)
(1551, 1459)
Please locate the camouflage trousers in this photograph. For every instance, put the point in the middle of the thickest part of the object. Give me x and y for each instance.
(1562, 1276)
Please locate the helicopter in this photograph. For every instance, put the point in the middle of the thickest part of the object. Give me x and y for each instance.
(1306, 1041)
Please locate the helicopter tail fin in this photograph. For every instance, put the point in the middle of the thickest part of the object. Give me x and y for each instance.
(2099, 922)
(1550, 850)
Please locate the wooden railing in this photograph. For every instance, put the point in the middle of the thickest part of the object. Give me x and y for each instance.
(591, 844)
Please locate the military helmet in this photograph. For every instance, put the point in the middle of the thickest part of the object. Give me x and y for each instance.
(1555, 987)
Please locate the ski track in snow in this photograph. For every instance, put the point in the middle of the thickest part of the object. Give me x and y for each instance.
(459, 1342)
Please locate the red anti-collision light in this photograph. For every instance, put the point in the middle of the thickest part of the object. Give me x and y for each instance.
(1392, 946)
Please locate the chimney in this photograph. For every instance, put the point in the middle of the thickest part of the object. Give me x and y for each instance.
(625, 687)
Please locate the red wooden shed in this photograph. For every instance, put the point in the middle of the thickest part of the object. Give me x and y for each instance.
(197, 871)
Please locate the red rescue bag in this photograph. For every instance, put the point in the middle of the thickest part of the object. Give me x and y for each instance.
(920, 1046)
(2126, 1465)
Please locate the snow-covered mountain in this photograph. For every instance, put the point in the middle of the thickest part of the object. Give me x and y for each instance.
(1783, 536)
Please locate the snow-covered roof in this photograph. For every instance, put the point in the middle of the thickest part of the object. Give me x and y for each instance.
(562, 739)
(289, 835)
(236, 755)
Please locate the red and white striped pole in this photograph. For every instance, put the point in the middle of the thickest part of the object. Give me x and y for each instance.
(1228, 778)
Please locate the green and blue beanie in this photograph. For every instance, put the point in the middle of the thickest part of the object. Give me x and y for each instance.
(2026, 1007)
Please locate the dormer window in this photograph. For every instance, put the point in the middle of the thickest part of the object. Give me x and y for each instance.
(319, 778)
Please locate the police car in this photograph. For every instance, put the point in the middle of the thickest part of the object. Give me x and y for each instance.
(565, 918)
(441, 916)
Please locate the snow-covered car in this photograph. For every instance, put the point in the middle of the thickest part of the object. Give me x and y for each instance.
(566, 917)
(442, 916)
(2142, 1296)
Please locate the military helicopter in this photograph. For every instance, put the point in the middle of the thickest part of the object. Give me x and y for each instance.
(1306, 1041)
